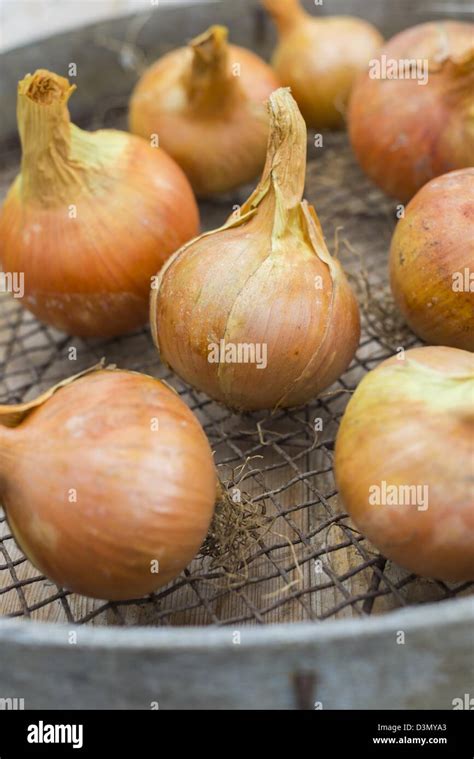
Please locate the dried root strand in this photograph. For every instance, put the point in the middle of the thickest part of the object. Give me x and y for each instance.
(382, 317)
(237, 528)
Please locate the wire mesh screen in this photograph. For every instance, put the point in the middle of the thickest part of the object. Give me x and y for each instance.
(301, 559)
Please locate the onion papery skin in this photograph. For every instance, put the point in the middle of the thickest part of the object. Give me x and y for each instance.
(265, 278)
(432, 261)
(319, 58)
(144, 493)
(410, 422)
(405, 134)
(89, 220)
(213, 123)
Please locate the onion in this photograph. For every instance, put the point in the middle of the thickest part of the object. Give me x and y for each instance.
(405, 133)
(432, 261)
(404, 461)
(205, 102)
(90, 218)
(319, 59)
(257, 314)
(108, 483)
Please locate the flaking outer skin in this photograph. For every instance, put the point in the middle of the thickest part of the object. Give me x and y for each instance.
(238, 285)
(265, 279)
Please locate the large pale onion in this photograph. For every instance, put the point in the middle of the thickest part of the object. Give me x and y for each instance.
(404, 461)
(108, 483)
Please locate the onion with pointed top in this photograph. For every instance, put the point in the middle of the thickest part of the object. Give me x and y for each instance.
(91, 216)
(319, 58)
(205, 102)
(257, 314)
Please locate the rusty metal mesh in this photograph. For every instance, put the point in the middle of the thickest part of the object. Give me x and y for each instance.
(308, 562)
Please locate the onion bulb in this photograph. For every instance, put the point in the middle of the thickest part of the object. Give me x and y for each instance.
(205, 102)
(91, 216)
(404, 461)
(432, 261)
(257, 314)
(319, 59)
(108, 483)
(412, 117)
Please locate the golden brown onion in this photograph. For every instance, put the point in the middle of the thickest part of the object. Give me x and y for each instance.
(91, 216)
(205, 102)
(257, 314)
(108, 483)
(404, 461)
(319, 59)
(404, 132)
(432, 261)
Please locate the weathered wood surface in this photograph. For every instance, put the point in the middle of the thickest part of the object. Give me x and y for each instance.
(348, 664)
